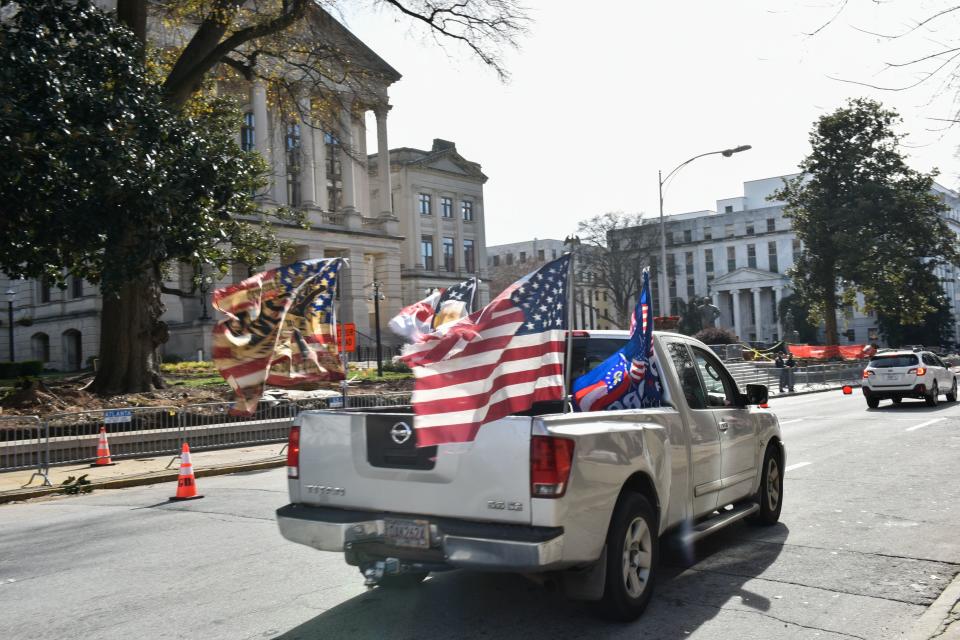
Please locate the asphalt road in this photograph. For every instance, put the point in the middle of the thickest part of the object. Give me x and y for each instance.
(868, 539)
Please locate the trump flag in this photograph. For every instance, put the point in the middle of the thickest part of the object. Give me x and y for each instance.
(630, 378)
(279, 330)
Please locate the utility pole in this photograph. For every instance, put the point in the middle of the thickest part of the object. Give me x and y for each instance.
(10, 295)
(377, 297)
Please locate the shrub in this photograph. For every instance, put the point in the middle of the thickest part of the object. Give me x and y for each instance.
(20, 369)
(172, 358)
(716, 335)
(396, 366)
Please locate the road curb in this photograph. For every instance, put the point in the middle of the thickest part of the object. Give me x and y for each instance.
(935, 621)
(146, 478)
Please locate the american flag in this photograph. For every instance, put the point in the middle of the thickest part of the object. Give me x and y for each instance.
(415, 322)
(494, 362)
(279, 330)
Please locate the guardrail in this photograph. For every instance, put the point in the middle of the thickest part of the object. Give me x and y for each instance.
(34, 442)
(809, 375)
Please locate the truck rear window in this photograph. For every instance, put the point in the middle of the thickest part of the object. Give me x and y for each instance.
(589, 352)
(887, 362)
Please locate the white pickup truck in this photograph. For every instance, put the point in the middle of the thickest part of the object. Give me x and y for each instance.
(582, 498)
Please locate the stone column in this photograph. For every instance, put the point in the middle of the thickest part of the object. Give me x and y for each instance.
(308, 191)
(757, 313)
(735, 296)
(383, 161)
(716, 303)
(279, 161)
(261, 132)
(349, 204)
(778, 295)
(320, 168)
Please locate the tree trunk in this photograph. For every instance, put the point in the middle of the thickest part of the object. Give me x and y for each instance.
(130, 332)
(830, 321)
(133, 14)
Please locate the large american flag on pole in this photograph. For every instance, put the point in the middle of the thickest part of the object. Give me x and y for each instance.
(494, 362)
(279, 330)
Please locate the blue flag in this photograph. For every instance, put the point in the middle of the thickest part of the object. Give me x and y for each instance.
(630, 378)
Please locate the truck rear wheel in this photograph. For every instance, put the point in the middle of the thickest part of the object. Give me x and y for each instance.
(633, 545)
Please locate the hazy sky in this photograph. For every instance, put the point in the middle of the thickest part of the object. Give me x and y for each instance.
(605, 93)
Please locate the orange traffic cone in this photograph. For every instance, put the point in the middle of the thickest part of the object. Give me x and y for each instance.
(186, 483)
(103, 451)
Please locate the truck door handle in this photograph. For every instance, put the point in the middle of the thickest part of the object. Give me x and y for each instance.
(723, 426)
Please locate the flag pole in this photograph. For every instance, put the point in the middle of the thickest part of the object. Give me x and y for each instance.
(338, 333)
(567, 397)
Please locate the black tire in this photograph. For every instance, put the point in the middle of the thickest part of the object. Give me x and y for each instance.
(896, 400)
(952, 394)
(633, 549)
(770, 495)
(933, 398)
(873, 403)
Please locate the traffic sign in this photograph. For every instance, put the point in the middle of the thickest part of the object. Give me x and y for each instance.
(112, 416)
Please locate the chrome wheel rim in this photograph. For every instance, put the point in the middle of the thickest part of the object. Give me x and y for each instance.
(773, 484)
(637, 557)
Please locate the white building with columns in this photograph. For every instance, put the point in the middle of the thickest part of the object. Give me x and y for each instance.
(322, 169)
(738, 256)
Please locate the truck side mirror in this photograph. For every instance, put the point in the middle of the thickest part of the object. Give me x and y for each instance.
(756, 394)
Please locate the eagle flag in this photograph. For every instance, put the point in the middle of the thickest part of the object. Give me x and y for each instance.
(279, 330)
(494, 362)
(630, 378)
(442, 306)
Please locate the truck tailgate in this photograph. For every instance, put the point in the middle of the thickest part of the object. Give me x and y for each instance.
(369, 461)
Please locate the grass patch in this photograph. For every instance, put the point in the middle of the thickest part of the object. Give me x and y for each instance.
(188, 368)
(371, 374)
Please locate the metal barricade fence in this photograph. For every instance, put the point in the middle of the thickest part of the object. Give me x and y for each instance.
(21, 443)
(131, 432)
(210, 426)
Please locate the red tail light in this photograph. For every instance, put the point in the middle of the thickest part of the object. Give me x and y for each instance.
(550, 462)
(293, 453)
(920, 371)
(867, 373)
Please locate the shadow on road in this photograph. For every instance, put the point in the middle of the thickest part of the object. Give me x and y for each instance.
(911, 406)
(690, 592)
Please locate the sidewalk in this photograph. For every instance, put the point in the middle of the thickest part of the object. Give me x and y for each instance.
(144, 470)
(941, 621)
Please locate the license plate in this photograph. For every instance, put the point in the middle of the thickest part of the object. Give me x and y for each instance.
(892, 376)
(407, 533)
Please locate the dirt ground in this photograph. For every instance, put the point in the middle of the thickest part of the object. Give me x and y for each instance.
(43, 397)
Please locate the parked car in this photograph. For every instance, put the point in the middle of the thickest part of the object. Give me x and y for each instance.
(581, 498)
(898, 374)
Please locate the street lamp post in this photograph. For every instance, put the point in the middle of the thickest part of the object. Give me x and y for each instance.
(205, 282)
(664, 289)
(10, 294)
(377, 297)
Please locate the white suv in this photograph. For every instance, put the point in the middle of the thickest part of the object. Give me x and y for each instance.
(896, 375)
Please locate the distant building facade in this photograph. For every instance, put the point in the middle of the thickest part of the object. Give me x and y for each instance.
(738, 256)
(437, 198)
(593, 305)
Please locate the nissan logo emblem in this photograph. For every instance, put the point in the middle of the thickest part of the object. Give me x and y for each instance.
(401, 432)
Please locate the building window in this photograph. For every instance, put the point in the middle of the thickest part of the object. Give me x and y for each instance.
(426, 252)
(466, 209)
(509, 258)
(772, 257)
(448, 262)
(708, 260)
(76, 287)
(44, 289)
(731, 259)
(496, 261)
(247, 132)
(671, 265)
(293, 164)
(728, 230)
(424, 202)
(771, 224)
(795, 245)
(750, 229)
(523, 257)
(40, 347)
(554, 252)
(708, 233)
(728, 208)
(446, 207)
(334, 172)
(690, 289)
(688, 235)
(709, 280)
(468, 256)
(688, 262)
(752, 256)
(541, 255)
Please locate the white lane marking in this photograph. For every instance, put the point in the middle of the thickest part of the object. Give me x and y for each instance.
(791, 421)
(797, 466)
(924, 424)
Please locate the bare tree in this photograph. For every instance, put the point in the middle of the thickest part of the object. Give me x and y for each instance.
(617, 247)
